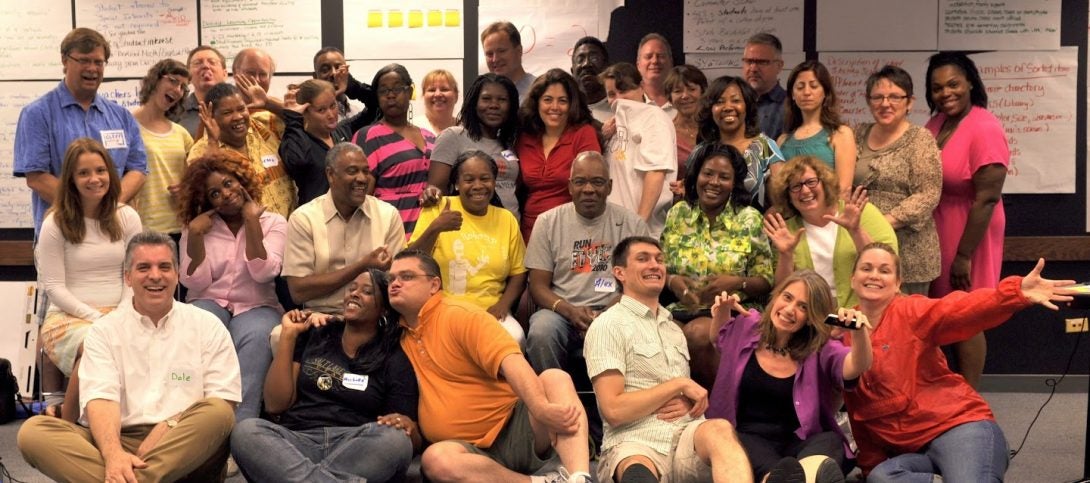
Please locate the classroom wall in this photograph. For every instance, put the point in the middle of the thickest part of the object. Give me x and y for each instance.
(1033, 342)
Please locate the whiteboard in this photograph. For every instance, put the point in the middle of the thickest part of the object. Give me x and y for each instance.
(141, 33)
(856, 25)
(725, 25)
(715, 65)
(31, 38)
(851, 69)
(14, 195)
(999, 24)
(291, 31)
(549, 30)
(364, 70)
(407, 29)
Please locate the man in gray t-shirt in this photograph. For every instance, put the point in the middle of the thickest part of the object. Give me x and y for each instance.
(569, 260)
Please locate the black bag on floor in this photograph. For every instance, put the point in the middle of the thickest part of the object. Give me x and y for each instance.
(9, 391)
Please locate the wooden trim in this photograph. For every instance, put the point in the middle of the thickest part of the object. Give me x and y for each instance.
(16, 253)
(1051, 248)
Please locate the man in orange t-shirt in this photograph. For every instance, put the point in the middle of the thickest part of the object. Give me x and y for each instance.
(489, 415)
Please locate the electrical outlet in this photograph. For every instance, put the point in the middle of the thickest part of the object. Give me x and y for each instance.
(1075, 326)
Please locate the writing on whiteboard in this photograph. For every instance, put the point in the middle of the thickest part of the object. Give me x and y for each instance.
(724, 25)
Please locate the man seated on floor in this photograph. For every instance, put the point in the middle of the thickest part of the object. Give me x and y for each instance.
(638, 360)
(490, 416)
(158, 383)
(570, 275)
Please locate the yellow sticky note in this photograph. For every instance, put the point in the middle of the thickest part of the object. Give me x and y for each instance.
(395, 18)
(416, 19)
(453, 17)
(374, 18)
(435, 18)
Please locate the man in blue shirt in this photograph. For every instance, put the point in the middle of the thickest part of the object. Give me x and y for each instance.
(73, 110)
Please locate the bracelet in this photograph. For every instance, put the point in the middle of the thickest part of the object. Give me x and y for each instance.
(555, 304)
(744, 283)
(684, 293)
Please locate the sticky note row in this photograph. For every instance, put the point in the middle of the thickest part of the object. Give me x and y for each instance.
(396, 18)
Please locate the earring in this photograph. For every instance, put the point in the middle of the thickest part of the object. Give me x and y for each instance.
(410, 112)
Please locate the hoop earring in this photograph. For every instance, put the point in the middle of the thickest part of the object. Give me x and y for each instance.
(410, 112)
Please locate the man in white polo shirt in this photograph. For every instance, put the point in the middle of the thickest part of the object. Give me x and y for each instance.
(158, 383)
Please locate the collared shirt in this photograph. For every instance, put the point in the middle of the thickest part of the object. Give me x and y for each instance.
(648, 350)
(49, 124)
(668, 108)
(321, 241)
(155, 372)
(546, 178)
(770, 111)
(226, 276)
(456, 350)
(262, 146)
(601, 111)
(731, 244)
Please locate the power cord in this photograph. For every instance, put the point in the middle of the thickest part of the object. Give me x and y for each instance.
(1053, 383)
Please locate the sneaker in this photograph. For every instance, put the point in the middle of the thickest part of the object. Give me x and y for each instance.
(822, 469)
(787, 470)
(561, 475)
(232, 467)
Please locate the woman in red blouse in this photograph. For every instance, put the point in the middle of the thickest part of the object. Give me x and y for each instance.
(555, 126)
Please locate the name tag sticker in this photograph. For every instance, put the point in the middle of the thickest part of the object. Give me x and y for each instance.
(180, 376)
(604, 285)
(269, 161)
(509, 155)
(114, 139)
(355, 381)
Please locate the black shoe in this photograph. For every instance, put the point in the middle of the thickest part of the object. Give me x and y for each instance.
(787, 470)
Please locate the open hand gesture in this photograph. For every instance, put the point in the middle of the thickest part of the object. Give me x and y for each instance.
(781, 237)
(254, 94)
(853, 209)
(340, 80)
(208, 120)
(1043, 291)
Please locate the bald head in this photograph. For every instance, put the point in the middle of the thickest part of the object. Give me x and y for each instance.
(255, 63)
(589, 185)
(588, 160)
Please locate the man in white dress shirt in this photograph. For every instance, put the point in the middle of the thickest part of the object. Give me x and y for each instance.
(158, 383)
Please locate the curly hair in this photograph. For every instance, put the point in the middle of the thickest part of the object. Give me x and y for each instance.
(162, 69)
(739, 195)
(68, 207)
(792, 170)
(192, 198)
(578, 111)
(812, 336)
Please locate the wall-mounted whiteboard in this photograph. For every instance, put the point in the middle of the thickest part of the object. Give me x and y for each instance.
(715, 65)
(141, 33)
(549, 30)
(409, 29)
(30, 36)
(724, 25)
(850, 71)
(364, 70)
(291, 30)
(999, 24)
(14, 195)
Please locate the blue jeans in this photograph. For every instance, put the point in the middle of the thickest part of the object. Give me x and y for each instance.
(250, 333)
(971, 452)
(268, 452)
(550, 341)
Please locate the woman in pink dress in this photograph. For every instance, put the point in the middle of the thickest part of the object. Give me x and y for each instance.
(969, 217)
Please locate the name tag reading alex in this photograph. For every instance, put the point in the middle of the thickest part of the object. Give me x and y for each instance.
(354, 381)
(604, 285)
(269, 161)
(113, 139)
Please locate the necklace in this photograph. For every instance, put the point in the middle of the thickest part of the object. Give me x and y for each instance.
(780, 351)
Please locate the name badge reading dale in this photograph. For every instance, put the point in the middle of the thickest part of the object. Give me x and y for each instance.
(113, 139)
(354, 381)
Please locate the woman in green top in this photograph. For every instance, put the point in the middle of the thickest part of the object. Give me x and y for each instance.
(812, 125)
(809, 228)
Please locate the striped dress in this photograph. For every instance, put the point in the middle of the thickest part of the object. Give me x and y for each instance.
(399, 167)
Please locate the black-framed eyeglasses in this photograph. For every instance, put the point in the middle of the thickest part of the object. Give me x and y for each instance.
(595, 182)
(809, 183)
(406, 277)
(385, 91)
(892, 98)
(759, 62)
(88, 62)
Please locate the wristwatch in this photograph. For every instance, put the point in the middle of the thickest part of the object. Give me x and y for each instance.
(171, 423)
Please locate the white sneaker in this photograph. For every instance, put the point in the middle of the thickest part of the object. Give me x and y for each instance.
(561, 475)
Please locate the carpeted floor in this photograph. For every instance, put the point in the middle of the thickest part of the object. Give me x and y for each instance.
(1052, 453)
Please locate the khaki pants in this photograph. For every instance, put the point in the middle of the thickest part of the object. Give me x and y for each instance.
(196, 449)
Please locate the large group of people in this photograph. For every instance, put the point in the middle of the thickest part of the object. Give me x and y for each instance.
(321, 286)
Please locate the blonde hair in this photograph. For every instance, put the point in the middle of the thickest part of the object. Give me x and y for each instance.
(437, 74)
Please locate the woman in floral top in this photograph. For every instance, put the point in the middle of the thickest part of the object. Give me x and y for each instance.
(713, 243)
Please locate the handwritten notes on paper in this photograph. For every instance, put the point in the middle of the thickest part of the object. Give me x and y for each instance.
(715, 65)
(14, 195)
(549, 29)
(291, 30)
(724, 25)
(999, 24)
(850, 71)
(141, 32)
(31, 38)
(407, 29)
(1033, 95)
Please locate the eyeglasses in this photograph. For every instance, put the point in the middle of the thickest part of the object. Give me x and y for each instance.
(174, 81)
(809, 183)
(595, 182)
(88, 62)
(406, 277)
(385, 91)
(893, 99)
(759, 62)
